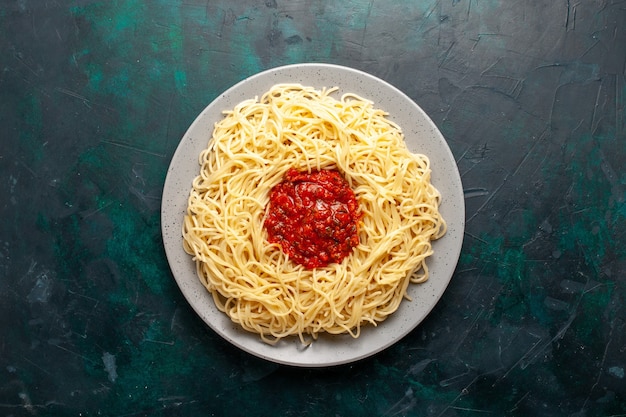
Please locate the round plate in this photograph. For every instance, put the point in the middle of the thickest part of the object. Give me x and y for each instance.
(421, 135)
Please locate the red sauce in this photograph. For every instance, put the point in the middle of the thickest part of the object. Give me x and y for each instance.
(313, 217)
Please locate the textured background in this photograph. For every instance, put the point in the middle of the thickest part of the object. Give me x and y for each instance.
(95, 96)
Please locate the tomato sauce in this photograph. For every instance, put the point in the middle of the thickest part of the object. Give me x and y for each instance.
(313, 217)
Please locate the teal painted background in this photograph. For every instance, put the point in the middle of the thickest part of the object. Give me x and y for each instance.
(95, 96)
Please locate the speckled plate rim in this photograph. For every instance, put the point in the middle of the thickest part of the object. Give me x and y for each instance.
(421, 136)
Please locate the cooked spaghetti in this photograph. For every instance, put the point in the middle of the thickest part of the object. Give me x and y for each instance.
(254, 281)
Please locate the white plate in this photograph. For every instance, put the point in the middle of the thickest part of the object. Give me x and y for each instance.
(421, 135)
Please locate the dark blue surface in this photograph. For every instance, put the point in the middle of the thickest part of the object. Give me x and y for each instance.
(95, 95)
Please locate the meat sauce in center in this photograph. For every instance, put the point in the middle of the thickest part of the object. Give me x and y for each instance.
(313, 217)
